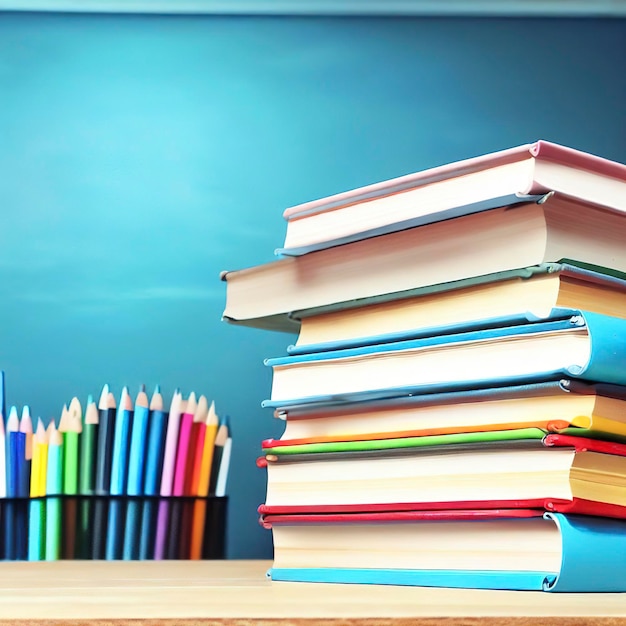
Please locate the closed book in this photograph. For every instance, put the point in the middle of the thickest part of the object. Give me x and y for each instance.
(497, 240)
(565, 405)
(533, 292)
(479, 470)
(453, 189)
(589, 346)
(501, 549)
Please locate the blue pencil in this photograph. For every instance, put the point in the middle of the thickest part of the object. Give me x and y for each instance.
(148, 528)
(115, 530)
(156, 445)
(136, 459)
(36, 526)
(121, 444)
(12, 455)
(130, 550)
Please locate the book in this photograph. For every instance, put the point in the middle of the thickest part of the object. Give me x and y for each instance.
(447, 191)
(533, 292)
(470, 246)
(521, 550)
(551, 472)
(566, 405)
(589, 346)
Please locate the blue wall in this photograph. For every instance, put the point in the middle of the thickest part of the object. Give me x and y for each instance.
(140, 156)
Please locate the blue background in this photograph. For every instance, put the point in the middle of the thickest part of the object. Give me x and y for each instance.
(142, 155)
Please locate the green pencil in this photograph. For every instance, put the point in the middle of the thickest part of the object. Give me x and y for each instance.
(89, 438)
(54, 487)
(71, 426)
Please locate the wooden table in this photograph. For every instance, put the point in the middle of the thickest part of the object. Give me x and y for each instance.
(237, 592)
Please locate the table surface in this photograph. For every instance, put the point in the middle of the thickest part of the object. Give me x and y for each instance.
(187, 590)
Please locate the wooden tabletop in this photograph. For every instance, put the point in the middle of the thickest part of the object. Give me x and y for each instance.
(237, 592)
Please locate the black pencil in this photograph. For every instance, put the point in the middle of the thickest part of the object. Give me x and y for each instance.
(104, 449)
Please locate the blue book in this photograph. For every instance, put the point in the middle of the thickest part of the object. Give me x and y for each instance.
(517, 550)
(573, 344)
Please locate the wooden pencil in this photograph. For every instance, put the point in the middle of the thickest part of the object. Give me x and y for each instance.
(138, 440)
(182, 452)
(3, 460)
(121, 444)
(71, 426)
(167, 476)
(88, 444)
(196, 445)
(200, 505)
(156, 444)
(104, 446)
(54, 487)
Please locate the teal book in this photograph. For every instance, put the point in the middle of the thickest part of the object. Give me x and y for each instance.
(576, 344)
(521, 550)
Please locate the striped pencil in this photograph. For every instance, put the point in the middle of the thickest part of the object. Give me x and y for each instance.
(136, 459)
(182, 452)
(200, 505)
(54, 487)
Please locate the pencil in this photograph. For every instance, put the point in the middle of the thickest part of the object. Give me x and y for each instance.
(43, 459)
(130, 548)
(171, 441)
(222, 474)
(196, 445)
(138, 439)
(87, 479)
(54, 487)
(148, 529)
(121, 444)
(182, 451)
(156, 444)
(218, 449)
(12, 429)
(200, 504)
(71, 426)
(167, 476)
(88, 442)
(104, 446)
(25, 452)
(3, 460)
(37, 505)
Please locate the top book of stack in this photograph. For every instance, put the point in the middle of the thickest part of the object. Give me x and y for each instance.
(498, 179)
(482, 220)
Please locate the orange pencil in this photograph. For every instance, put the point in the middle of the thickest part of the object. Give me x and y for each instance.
(204, 477)
(196, 445)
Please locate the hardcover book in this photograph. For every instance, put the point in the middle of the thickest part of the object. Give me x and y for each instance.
(521, 550)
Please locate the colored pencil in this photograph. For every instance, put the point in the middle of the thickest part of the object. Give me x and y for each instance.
(71, 426)
(148, 529)
(138, 440)
(167, 476)
(171, 442)
(222, 475)
(37, 504)
(200, 505)
(25, 452)
(54, 487)
(218, 449)
(99, 534)
(182, 452)
(156, 444)
(3, 460)
(88, 443)
(12, 429)
(121, 444)
(196, 444)
(115, 529)
(104, 447)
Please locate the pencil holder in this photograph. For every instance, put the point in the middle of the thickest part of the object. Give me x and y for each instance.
(105, 527)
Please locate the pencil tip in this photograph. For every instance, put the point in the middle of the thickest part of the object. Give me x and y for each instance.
(89, 399)
(157, 389)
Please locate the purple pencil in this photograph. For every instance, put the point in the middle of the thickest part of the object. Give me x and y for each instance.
(160, 539)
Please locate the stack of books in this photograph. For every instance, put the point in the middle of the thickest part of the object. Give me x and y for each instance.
(455, 402)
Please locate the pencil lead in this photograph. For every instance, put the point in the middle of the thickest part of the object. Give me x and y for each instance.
(25, 411)
(157, 389)
(142, 388)
(89, 399)
(13, 421)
